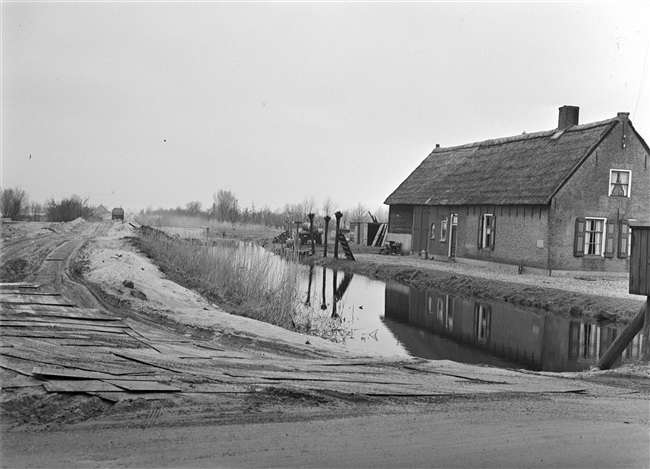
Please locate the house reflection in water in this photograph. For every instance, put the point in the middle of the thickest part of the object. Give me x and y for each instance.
(498, 334)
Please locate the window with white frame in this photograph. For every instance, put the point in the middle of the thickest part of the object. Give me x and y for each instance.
(486, 231)
(594, 234)
(619, 182)
(594, 237)
(443, 230)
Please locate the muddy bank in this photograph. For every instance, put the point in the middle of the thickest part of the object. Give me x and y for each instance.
(546, 298)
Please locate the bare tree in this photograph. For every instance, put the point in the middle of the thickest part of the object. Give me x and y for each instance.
(328, 206)
(68, 209)
(36, 210)
(226, 206)
(13, 201)
(308, 205)
(381, 214)
(358, 213)
(194, 207)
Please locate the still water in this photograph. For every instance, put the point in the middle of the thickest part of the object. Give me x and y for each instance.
(400, 320)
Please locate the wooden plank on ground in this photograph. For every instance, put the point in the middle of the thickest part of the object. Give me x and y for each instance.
(76, 373)
(125, 395)
(10, 285)
(86, 314)
(301, 376)
(144, 359)
(76, 386)
(64, 327)
(38, 333)
(213, 388)
(39, 300)
(143, 386)
(89, 362)
(18, 365)
(30, 292)
(20, 381)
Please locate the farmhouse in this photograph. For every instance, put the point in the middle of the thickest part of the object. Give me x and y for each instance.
(558, 200)
(102, 213)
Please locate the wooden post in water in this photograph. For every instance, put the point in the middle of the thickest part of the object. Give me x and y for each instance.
(338, 216)
(311, 233)
(639, 285)
(327, 223)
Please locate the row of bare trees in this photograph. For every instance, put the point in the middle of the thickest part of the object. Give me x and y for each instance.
(226, 208)
(15, 204)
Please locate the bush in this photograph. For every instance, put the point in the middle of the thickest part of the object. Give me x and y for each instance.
(13, 201)
(68, 209)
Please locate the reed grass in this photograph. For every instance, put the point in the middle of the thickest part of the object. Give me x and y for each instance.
(241, 277)
(188, 221)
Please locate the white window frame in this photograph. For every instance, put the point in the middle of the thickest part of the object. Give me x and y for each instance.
(603, 239)
(611, 181)
(484, 232)
(444, 229)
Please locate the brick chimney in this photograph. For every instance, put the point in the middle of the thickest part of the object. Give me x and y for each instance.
(568, 117)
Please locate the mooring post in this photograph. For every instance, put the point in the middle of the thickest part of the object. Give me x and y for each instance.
(327, 223)
(639, 285)
(338, 216)
(311, 232)
(296, 243)
(645, 352)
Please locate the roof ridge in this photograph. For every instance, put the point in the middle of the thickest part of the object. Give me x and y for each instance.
(525, 136)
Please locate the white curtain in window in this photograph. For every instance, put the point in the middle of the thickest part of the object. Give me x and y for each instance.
(593, 236)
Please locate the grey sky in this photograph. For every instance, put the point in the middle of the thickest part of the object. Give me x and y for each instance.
(159, 104)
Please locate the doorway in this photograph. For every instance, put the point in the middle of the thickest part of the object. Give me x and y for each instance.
(453, 228)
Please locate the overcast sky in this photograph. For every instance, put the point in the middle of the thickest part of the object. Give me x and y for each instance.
(159, 104)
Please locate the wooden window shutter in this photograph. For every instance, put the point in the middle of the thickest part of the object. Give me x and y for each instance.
(579, 240)
(480, 231)
(494, 231)
(609, 238)
(623, 234)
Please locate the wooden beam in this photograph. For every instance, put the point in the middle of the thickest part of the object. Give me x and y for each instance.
(622, 341)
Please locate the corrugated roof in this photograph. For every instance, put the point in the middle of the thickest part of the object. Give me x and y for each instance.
(525, 169)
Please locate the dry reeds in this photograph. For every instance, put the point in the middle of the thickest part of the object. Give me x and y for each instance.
(253, 282)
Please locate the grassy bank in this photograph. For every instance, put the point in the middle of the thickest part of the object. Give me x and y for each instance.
(240, 277)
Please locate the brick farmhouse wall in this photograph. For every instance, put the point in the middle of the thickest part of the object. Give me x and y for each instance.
(586, 195)
(521, 233)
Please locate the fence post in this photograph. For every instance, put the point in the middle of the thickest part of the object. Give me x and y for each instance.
(311, 232)
(338, 216)
(327, 223)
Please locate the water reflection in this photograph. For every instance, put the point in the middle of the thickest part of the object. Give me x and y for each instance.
(464, 330)
(396, 319)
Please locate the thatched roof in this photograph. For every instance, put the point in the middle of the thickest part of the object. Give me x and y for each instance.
(527, 169)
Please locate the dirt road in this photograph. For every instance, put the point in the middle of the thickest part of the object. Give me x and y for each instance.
(95, 375)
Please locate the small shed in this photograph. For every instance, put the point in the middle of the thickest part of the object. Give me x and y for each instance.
(102, 213)
(117, 214)
(367, 234)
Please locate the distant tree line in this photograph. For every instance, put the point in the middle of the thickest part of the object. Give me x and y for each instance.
(225, 208)
(15, 204)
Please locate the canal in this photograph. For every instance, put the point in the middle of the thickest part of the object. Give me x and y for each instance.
(396, 319)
